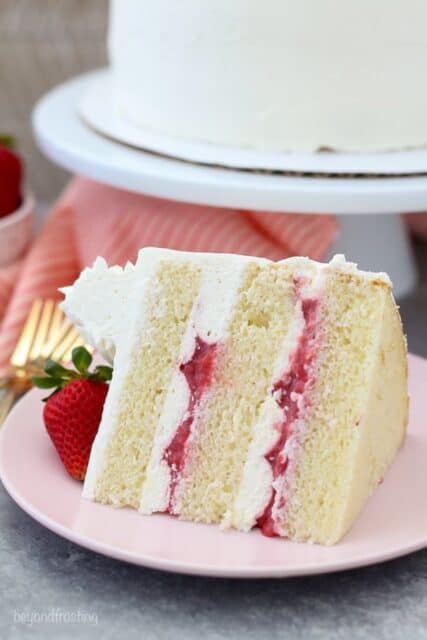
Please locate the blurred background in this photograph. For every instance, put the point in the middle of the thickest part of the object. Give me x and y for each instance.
(45, 42)
(42, 43)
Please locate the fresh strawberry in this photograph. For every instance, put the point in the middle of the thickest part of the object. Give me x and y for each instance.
(72, 413)
(10, 178)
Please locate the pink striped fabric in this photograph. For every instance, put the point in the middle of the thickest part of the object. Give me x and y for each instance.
(50, 262)
(91, 219)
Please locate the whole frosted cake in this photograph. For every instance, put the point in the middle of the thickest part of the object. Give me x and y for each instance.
(287, 75)
(245, 392)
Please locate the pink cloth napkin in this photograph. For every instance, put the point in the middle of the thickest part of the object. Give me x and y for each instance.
(91, 219)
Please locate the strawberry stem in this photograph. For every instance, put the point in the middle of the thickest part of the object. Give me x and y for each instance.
(7, 141)
(56, 370)
(81, 359)
(46, 383)
(57, 376)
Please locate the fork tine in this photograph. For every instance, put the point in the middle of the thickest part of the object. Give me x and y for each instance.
(42, 329)
(57, 320)
(23, 347)
(57, 337)
(69, 338)
(46, 333)
(53, 333)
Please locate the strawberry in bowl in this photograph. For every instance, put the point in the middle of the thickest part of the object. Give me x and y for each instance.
(16, 206)
(10, 177)
(72, 413)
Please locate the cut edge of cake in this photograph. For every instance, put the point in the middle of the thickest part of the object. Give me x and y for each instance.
(212, 355)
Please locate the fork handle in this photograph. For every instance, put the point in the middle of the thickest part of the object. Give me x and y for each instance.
(7, 398)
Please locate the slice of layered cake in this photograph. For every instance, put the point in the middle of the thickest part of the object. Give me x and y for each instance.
(245, 392)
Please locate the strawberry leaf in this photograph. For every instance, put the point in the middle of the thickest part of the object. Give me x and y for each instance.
(81, 359)
(56, 370)
(102, 373)
(58, 376)
(7, 141)
(46, 382)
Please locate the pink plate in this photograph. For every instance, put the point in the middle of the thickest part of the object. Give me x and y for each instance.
(394, 522)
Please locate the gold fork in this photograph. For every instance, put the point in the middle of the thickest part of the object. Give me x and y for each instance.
(47, 333)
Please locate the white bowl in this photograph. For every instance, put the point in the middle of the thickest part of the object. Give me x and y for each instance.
(16, 231)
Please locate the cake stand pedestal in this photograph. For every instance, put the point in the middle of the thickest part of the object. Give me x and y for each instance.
(372, 231)
(379, 242)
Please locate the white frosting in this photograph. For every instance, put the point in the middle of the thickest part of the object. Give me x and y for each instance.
(209, 321)
(96, 303)
(274, 75)
(339, 263)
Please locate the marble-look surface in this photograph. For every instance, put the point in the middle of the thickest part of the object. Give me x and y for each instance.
(43, 575)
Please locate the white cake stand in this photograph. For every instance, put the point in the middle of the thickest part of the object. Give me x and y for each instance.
(372, 232)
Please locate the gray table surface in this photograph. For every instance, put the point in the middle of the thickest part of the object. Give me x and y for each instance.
(44, 576)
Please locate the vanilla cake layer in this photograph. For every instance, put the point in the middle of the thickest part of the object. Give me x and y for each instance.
(164, 311)
(358, 412)
(245, 392)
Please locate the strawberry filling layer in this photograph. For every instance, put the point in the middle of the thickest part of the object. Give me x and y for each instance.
(291, 392)
(198, 374)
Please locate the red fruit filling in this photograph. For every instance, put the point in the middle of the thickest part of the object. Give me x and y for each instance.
(290, 393)
(198, 374)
